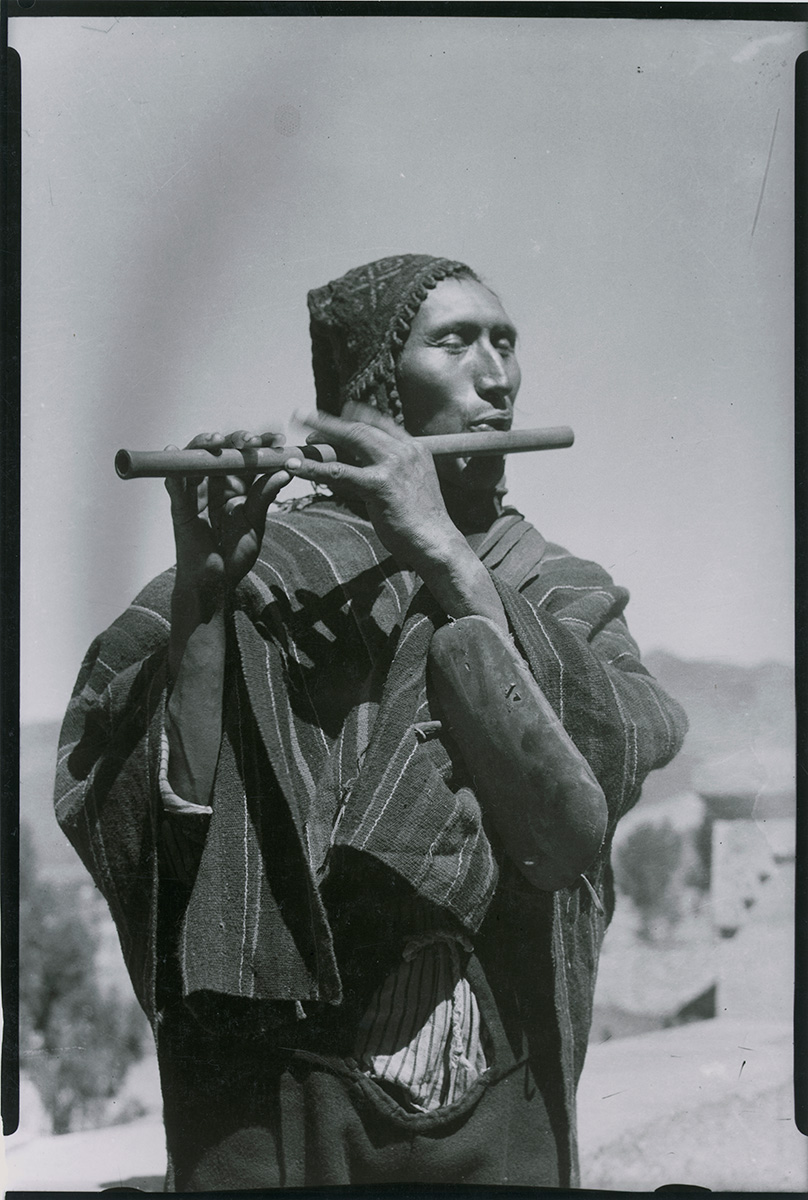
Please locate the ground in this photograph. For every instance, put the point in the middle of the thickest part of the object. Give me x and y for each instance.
(706, 1104)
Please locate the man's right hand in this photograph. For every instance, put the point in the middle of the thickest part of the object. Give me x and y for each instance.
(219, 520)
(218, 529)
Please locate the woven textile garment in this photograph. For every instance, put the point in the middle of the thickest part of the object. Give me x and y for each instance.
(328, 641)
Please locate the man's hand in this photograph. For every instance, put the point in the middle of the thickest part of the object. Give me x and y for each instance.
(219, 520)
(392, 475)
(218, 529)
(395, 477)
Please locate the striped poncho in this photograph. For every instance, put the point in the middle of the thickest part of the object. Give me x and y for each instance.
(325, 693)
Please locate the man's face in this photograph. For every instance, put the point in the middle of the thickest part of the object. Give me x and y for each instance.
(458, 372)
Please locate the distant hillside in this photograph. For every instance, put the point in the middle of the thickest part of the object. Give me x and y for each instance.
(731, 709)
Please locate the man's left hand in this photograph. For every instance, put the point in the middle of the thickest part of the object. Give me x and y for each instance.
(393, 476)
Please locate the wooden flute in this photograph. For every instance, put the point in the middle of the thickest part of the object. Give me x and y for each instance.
(157, 464)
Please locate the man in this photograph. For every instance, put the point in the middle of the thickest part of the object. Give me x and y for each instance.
(348, 778)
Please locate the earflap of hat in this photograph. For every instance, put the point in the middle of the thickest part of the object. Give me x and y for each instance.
(376, 387)
(324, 361)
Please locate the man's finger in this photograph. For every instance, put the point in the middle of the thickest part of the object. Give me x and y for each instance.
(261, 494)
(236, 485)
(361, 479)
(206, 441)
(176, 489)
(183, 492)
(174, 486)
(241, 438)
(216, 496)
(363, 440)
(232, 505)
(365, 414)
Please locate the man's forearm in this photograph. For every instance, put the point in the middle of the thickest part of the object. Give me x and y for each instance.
(535, 785)
(194, 713)
(461, 584)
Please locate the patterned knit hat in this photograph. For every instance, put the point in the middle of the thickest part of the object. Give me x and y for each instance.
(360, 322)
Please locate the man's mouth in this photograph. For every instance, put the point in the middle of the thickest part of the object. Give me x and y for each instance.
(482, 465)
(501, 422)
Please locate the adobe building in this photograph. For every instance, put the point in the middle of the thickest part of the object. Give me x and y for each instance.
(751, 800)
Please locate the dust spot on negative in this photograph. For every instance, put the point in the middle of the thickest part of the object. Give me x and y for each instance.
(287, 119)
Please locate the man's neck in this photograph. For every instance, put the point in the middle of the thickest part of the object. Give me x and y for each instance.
(470, 511)
(473, 512)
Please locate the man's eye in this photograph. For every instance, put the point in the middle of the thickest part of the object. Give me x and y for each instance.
(453, 341)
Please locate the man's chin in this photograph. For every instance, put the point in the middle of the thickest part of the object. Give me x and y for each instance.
(475, 476)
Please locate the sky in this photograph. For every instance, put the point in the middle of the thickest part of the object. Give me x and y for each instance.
(626, 187)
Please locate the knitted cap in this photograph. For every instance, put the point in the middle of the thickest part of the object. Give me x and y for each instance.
(360, 322)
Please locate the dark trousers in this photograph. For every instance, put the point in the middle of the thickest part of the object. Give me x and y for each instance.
(249, 1115)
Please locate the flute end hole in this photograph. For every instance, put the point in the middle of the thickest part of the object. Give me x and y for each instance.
(123, 463)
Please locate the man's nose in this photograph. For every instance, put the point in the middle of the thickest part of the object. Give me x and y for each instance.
(492, 380)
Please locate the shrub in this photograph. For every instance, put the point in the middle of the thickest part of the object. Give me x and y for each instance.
(645, 869)
(76, 1042)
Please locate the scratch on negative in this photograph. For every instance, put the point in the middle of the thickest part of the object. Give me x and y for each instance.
(609, 1096)
(743, 1064)
(765, 177)
(168, 181)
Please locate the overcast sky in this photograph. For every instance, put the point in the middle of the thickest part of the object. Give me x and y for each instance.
(624, 185)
